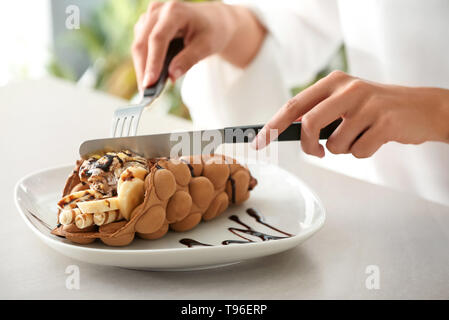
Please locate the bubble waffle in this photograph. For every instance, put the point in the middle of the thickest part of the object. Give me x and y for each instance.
(176, 194)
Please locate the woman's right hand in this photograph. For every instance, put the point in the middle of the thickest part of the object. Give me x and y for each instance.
(207, 28)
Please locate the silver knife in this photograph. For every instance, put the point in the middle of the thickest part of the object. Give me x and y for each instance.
(175, 144)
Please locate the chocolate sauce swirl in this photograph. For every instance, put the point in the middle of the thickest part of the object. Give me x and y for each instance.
(107, 164)
(241, 232)
(191, 243)
(253, 213)
(226, 242)
(45, 224)
(232, 189)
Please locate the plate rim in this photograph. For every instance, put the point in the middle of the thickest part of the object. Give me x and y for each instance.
(121, 251)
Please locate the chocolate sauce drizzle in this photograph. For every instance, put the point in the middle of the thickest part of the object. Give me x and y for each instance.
(239, 231)
(40, 220)
(253, 213)
(190, 243)
(232, 189)
(105, 166)
(250, 231)
(226, 242)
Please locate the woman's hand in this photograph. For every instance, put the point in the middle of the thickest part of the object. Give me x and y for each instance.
(207, 28)
(372, 114)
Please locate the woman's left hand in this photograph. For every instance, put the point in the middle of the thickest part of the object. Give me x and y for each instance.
(372, 113)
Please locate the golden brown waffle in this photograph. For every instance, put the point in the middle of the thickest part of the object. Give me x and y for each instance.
(178, 195)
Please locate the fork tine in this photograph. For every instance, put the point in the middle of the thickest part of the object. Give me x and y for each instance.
(134, 121)
(130, 126)
(120, 124)
(114, 125)
(126, 121)
(127, 125)
(135, 124)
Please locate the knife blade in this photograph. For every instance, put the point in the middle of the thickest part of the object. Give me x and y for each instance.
(175, 144)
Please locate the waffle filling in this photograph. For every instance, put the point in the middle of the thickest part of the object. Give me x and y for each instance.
(101, 173)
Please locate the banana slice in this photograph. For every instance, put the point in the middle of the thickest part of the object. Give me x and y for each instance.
(97, 206)
(87, 207)
(130, 174)
(130, 189)
(71, 200)
(130, 195)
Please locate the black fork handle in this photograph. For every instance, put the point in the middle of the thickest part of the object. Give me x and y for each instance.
(292, 133)
(175, 46)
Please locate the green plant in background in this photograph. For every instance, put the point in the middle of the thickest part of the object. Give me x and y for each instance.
(54, 67)
(106, 37)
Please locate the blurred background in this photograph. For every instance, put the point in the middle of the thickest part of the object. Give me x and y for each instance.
(95, 54)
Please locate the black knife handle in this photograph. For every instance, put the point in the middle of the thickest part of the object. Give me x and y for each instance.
(175, 46)
(292, 133)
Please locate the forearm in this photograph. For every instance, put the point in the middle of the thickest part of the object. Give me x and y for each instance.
(247, 39)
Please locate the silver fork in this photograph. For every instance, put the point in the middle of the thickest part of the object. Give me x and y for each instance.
(126, 119)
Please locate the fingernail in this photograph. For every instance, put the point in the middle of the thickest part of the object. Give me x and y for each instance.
(177, 73)
(322, 152)
(259, 141)
(253, 143)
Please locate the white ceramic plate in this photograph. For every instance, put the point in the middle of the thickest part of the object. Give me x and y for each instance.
(280, 198)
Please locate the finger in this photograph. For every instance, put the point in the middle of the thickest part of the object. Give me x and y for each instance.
(346, 134)
(139, 51)
(198, 49)
(142, 30)
(309, 144)
(297, 107)
(370, 141)
(170, 21)
(343, 104)
(292, 110)
(313, 121)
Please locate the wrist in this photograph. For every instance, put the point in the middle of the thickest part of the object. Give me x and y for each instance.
(442, 115)
(445, 117)
(247, 36)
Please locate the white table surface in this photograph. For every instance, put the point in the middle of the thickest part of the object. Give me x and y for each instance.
(43, 123)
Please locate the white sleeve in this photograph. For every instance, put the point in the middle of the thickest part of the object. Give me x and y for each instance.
(306, 33)
(302, 36)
